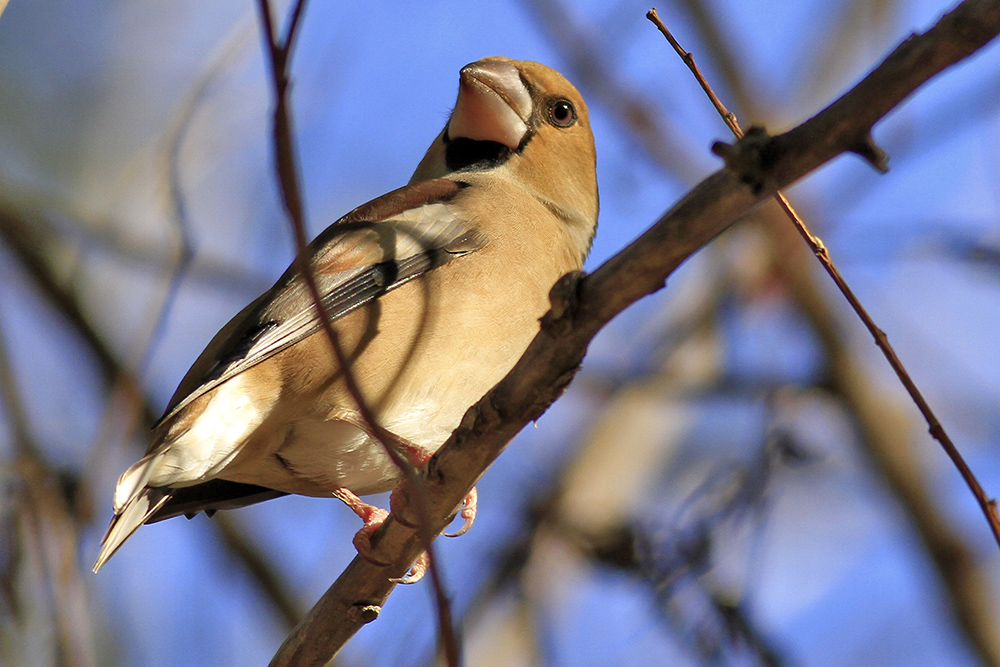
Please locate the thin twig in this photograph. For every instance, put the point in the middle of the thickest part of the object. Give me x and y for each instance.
(869, 151)
(280, 59)
(882, 436)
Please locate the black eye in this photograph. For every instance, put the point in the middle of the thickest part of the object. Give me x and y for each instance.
(562, 113)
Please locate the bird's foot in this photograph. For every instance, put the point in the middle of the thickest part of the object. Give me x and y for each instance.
(417, 570)
(373, 517)
(467, 512)
(399, 503)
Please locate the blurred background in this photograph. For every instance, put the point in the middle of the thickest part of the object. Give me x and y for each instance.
(734, 478)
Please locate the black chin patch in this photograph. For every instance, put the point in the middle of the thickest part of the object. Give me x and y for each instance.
(468, 154)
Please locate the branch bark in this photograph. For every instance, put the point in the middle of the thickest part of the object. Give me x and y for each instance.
(756, 168)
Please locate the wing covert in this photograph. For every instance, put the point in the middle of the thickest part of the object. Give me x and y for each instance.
(354, 261)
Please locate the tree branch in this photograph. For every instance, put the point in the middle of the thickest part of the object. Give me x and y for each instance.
(868, 150)
(287, 172)
(886, 434)
(756, 168)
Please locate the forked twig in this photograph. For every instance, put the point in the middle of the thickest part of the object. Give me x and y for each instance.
(279, 52)
(868, 150)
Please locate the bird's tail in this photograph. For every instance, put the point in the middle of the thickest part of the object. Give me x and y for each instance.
(128, 519)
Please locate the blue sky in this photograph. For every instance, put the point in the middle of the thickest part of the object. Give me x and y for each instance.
(102, 104)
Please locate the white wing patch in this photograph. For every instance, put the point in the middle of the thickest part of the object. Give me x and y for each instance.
(198, 454)
(232, 414)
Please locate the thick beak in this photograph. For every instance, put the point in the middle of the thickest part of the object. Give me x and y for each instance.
(493, 104)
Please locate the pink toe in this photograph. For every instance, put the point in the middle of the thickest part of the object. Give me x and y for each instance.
(468, 512)
(417, 570)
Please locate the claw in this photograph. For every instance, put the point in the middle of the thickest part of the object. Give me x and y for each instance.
(468, 512)
(417, 570)
(374, 517)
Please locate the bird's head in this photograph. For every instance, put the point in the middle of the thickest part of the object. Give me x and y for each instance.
(525, 121)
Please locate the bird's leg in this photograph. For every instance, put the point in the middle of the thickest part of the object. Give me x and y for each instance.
(374, 517)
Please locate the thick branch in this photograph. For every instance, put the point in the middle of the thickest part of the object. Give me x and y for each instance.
(759, 166)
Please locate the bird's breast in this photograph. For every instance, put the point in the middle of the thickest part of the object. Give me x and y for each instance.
(421, 355)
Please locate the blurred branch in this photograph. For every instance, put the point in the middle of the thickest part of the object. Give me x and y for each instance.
(679, 565)
(718, 46)
(676, 559)
(45, 512)
(715, 622)
(180, 217)
(593, 511)
(953, 559)
(31, 248)
(117, 403)
(37, 243)
(260, 568)
(757, 167)
(203, 271)
(655, 137)
(844, 45)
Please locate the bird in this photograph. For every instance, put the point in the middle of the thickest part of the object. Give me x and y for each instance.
(434, 290)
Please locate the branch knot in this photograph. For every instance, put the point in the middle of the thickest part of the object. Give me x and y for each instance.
(750, 158)
(564, 297)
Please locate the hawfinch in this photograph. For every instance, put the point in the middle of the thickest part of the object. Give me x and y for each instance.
(435, 291)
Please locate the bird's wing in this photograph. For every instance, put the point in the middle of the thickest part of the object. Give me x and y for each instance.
(367, 253)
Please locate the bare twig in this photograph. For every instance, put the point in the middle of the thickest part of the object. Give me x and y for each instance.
(868, 150)
(886, 439)
(581, 307)
(280, 59)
